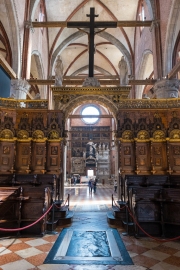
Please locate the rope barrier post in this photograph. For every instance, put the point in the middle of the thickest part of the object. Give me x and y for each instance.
(127, 220)
(52, 232)
(68, 200)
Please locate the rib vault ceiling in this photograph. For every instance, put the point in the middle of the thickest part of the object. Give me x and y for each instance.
(72, 44)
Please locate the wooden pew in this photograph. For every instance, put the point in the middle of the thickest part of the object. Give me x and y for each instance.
(9, 209)
(171, 212)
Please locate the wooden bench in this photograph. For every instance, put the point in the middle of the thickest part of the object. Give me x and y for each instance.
(9, 209)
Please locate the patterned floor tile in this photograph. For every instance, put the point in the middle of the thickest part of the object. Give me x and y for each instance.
(4, 250)
(28, 252)
(50, 238)
(18, 265)
(37, 260)
(11, 257)
(9, 242)
(166, 249)
(45, 247)
(144, 261)
(19, 246)
(177, 254)
(164, 266)
(136, 249)
(156, 254)
(175, 245)
(36, 242)
(143, 251)
(173, 260)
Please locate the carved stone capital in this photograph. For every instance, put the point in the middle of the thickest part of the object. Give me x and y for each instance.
(91, 82)
(19, 88)
(167, 88)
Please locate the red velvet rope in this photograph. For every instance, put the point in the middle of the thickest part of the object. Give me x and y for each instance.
(30, 225)
(121, 208)
(156, 239)
(62, 205)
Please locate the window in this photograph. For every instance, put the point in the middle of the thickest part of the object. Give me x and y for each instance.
(90, 110)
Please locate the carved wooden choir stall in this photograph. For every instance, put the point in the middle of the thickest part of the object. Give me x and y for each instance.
(149, 152)
(31, 143)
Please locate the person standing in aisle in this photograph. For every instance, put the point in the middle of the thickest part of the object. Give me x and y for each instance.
(115, 185)
(95, 186)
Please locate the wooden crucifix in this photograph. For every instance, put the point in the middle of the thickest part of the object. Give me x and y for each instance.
(92, 25)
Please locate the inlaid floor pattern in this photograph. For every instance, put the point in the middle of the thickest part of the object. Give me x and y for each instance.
(30, 253)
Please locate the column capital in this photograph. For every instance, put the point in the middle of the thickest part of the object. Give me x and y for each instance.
(19, 89)
(166, 88)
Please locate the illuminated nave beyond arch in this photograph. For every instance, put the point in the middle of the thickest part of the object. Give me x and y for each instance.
(89, 90)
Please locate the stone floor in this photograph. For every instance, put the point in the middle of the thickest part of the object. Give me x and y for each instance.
(89, 212)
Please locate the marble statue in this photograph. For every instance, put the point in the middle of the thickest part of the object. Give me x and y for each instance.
(58, 71)
(123, 71)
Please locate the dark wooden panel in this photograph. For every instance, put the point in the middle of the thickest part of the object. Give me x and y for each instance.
(127, 156)
(38, 157)
(6, 156)
(23, 157)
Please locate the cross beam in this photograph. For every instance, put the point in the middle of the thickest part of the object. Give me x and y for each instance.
(78, 81)
(71, 82)
(50, 24)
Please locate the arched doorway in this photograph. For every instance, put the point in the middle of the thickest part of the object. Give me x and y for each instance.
(90, 150)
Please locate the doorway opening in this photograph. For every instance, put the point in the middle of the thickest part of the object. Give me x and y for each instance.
(90, 173)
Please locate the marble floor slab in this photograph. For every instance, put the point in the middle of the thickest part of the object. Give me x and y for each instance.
(95, 247)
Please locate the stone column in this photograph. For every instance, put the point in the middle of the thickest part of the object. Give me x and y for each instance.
(64, 162)
(166, 88)
(19, 89)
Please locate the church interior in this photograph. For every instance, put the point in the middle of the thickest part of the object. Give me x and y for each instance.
(90, 134)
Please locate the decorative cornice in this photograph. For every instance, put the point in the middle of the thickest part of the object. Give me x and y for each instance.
(121, 90)
(24, 140)
(149, 104)
(7, 67)
(55, 140)
(23, 103)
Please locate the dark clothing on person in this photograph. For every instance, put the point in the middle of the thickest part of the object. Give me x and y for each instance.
(94, 186)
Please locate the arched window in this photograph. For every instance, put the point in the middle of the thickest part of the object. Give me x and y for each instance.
(90, 110)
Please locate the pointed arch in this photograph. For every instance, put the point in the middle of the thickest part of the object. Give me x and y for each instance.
(171, 36)
(37, 65)
(101, 70)
(13, 33)
(104, 35)
(147, 60)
